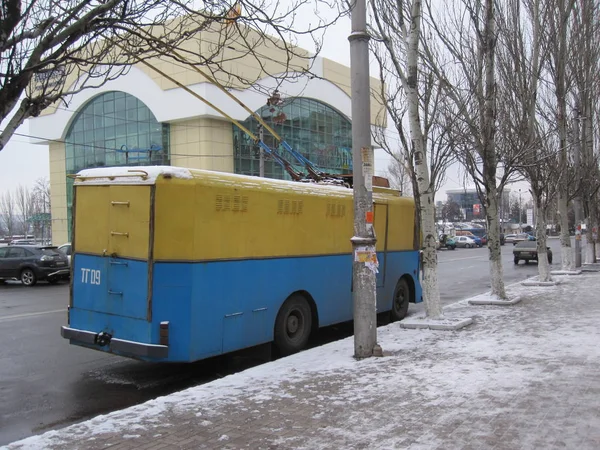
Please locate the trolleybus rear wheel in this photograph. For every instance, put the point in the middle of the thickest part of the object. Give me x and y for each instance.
(400, 300)
(293, 325)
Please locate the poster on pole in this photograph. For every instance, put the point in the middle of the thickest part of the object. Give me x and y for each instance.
(367, 167)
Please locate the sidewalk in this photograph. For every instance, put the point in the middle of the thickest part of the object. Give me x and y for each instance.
(521, 377)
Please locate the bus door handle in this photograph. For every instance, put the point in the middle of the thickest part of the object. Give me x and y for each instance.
(119, 263)
(114, 292)
(259, 309)
(234, 314)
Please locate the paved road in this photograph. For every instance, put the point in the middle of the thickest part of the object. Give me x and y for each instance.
(45, 383)
(465, 272)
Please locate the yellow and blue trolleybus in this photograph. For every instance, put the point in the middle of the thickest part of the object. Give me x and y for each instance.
(174, 264)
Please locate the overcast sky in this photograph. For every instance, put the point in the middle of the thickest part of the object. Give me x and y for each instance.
(23, 163)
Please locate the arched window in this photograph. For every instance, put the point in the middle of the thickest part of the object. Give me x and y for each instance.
(113, 129)
(312, 128)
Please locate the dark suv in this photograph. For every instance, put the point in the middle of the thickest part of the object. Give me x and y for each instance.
(33, 263)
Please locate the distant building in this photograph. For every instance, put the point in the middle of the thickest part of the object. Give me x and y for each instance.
(471, 206)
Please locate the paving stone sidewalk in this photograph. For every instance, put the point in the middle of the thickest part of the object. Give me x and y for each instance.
(521, 377)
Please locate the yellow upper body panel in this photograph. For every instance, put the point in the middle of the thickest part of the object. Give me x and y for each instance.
(219, 216)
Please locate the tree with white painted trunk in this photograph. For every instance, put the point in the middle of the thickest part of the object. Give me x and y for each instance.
(397, 30)
(467, 32)
(555, 41)
(584, 40)
(519, 70)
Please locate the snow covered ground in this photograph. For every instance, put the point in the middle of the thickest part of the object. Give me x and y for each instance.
(521, 376)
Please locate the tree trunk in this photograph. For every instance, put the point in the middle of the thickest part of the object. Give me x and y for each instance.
(431, 291)
(489, 153)
(592, 225)
(568, 262)
(496, 270)
(540, 234)
(588, 256)
(560, 56)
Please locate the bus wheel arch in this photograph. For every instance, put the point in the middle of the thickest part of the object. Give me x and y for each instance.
(296, 320)
(404, 293)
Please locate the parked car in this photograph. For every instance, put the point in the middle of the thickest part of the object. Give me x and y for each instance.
(23, 242)
(66, 249)
(450, 243)
(522, 237)
(33, 263)
(447, 242)
(527, 251)
(478, 240)
(484, 239)
(465, 241)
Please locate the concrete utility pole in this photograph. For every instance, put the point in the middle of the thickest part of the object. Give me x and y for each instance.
(577, 200)
(363, 242)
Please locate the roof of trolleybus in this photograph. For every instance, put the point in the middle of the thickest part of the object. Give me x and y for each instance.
(148, 175)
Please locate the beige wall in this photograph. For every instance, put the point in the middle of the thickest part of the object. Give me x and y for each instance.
(339, 75)
(58, 193)
(202, 143)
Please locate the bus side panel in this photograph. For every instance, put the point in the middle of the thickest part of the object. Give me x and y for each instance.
(398, 264)
(234, 304)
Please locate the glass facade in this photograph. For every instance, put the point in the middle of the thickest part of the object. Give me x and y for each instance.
(113, 129)
(312, 128)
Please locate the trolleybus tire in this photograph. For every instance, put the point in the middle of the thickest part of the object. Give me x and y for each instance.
(400, 300)
(293, 325)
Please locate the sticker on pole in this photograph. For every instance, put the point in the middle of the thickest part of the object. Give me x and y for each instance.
(368, 256)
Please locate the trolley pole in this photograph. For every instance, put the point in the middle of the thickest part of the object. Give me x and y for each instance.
(363, 242)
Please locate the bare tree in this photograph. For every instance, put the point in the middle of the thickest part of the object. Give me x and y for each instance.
(520, 63)
(397, 28)
(24, 202)
(584, 40)
(467, 31)
(51, 50)
(8, 213)
(556, 44)
(400, 179)
(451, 212)
(41, 209)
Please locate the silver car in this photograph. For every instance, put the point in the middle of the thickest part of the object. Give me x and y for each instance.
(465, 241)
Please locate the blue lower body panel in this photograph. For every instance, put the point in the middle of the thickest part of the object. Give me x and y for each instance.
(222, 306)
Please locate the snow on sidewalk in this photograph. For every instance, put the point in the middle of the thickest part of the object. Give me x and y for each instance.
(523, 376)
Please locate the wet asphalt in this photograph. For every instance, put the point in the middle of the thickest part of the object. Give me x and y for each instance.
(45, 383)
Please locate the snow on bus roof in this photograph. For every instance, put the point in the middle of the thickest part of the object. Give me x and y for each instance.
(147, 175)
(129, 175)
